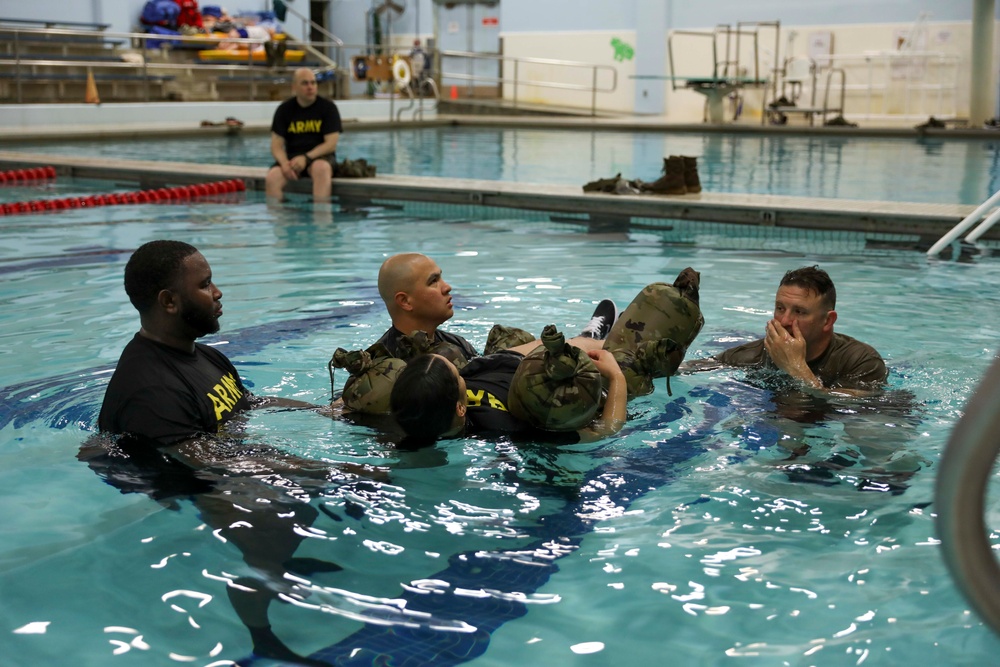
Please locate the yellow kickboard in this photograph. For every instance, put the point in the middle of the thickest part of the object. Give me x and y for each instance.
(259, 56)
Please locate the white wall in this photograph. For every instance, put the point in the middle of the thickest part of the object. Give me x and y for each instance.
(133, 118)
(904, 91)
(929, 90)
(581, 30)
(593, 47)
(347, 16)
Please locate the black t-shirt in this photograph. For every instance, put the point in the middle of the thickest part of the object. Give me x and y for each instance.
(168, 395)
(304, 128)
(487, 384)
(390, 339)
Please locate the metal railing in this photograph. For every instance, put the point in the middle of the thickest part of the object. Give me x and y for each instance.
(789, 82)
(728, 68)
(46, 23)
(516, 81)
(926, 81)
(331, 40)
(966, 468)
(969, 221)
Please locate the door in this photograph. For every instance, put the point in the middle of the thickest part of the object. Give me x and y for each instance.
(470, 27)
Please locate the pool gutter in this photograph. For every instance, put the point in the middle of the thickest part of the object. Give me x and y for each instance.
(923, 222)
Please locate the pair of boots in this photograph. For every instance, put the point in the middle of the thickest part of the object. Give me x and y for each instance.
(275, 53)
(680, 177)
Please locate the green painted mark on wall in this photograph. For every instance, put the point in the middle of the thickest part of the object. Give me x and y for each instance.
(623, 51)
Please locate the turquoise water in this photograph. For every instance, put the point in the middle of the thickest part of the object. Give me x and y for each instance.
(693, 534)
(935, 170)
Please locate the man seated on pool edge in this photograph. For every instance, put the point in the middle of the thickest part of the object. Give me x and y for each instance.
(417, 298)
(800, 341)
(305, 131)
(432, 399)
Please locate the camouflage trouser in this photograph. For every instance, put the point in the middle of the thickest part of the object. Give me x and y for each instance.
(651, 336)
(558, 388)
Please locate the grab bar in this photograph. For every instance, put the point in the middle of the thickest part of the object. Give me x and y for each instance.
(960, 494)
(969, 220)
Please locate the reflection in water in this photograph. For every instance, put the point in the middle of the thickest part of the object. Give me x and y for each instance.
(962, 171)
(266, 514)
(831, 439)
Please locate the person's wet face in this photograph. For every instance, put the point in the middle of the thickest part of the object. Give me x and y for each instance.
(199, 300)
(462, 400)
(807, 309)
(429, 294)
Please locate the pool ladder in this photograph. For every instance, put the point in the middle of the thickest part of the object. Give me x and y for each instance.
(970, 220)
(960, 498)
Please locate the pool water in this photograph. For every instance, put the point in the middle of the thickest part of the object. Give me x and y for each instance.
(936, 170)
(727, 521)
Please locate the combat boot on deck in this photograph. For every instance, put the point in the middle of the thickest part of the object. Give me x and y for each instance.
(691, 181)
(672, 180)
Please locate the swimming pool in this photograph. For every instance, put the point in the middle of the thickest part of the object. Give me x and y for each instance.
(952, 171)
(690, 535)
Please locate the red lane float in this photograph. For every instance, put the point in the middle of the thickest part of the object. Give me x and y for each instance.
(215, 191)
(14, 176)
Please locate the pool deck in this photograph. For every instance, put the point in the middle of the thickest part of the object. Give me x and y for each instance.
(923, 223)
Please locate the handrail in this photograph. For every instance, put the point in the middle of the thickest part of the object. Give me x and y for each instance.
(48, 23)
(887, 65)
(969, 220)
(417, 103)
(308, 22)
(516, 81)
(826, 95)
(960, 497)
(983, 227)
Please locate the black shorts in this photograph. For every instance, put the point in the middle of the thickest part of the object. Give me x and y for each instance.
(331, 158)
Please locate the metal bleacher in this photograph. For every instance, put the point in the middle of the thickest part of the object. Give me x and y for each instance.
(50, 62)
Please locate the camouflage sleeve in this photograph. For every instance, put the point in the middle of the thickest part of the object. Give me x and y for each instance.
(466, 347)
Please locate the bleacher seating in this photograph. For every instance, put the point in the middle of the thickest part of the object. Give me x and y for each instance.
(44, 62)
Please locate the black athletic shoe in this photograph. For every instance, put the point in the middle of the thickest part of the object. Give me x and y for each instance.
(602, 320)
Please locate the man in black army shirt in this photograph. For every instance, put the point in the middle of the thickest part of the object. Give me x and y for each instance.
(304, 135)
(168, 397)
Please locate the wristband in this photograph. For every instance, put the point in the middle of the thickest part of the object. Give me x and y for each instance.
(309, 160)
